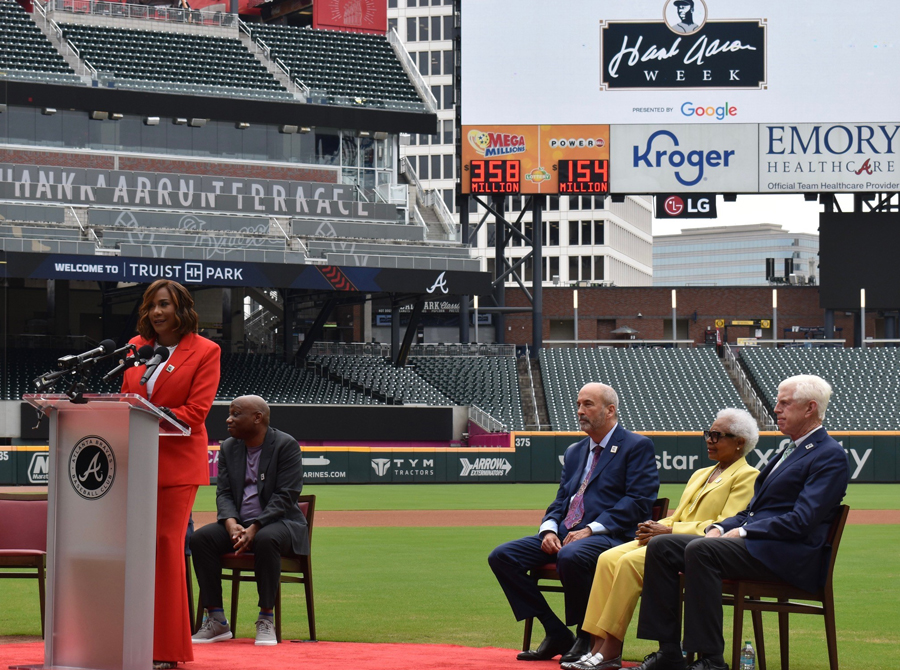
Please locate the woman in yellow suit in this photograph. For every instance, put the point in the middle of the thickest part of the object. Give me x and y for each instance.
(712, 494)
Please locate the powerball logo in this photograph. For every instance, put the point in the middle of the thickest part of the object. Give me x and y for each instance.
(496, 144)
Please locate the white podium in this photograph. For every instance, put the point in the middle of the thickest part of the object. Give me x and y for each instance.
(101, 529)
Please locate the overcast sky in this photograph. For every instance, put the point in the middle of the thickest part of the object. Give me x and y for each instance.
(791, 211)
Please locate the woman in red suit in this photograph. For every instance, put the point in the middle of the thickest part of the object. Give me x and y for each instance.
(186, 384)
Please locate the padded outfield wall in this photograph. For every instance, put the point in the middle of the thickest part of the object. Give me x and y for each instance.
(531, 457)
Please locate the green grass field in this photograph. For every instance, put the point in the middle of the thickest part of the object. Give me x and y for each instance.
(434, 585)
(499, 496)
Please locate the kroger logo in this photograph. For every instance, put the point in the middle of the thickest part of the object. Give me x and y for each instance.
(689, 167)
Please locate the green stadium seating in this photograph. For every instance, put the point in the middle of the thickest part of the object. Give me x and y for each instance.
(659, 389)
(866, 382)
(201, 61)
(24, 48)
(348, 67)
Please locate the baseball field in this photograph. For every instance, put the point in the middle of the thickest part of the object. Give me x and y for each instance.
(407, 563)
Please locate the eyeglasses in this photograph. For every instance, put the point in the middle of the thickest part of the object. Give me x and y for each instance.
(714, 435)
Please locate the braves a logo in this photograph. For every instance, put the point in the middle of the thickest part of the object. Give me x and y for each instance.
(439, 283)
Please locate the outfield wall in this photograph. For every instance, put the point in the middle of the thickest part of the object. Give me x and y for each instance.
(530, 457)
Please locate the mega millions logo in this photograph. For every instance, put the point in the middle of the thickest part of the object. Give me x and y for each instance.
(496, 144)
(92, 467)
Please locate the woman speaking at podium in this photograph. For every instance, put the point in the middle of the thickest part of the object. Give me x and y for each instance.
(185, 384)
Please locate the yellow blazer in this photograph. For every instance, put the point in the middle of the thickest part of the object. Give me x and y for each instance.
(724, 497)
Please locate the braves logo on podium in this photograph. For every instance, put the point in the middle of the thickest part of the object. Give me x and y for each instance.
(92, 467)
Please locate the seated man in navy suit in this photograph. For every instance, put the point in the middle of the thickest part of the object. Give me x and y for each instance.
(609, 484)
(781, 536)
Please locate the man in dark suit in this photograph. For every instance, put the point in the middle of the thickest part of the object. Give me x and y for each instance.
(260, 477)
(609, 483)
(780, 536)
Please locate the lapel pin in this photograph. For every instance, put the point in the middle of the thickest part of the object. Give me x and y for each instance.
(169, 368)
(614, 449)
(809, 446)
(262, 477)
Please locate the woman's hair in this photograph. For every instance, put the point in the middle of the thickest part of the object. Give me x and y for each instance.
(741, 423)
(185, 316)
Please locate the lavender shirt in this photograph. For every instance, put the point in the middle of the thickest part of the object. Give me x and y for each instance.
(250, 507)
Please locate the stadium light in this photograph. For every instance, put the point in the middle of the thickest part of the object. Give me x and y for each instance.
(115, 116)
(242, 125)
(363, 133)
(2, 108)
(305, 129)
(48, 111)
(575, 314)
(288, 130)
(862, 318)
(198, 123)
(729, 197)
(180, 121)
(99, 116)
(151, 121)
(674, 319)
(775, 317)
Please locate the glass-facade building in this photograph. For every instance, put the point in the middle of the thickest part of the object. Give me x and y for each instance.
(733, 256)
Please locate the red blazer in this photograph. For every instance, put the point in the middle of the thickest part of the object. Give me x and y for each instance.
(187, 386)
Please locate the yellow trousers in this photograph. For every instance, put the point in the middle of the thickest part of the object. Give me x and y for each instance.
(618, 582)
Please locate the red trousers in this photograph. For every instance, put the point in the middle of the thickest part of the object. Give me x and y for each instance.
(171, 622)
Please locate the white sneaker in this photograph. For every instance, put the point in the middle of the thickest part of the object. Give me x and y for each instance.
(212, 630)
(265, 631)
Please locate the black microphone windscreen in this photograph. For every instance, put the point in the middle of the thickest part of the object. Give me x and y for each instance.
(145, 352)
(109, 346)
(162, 352)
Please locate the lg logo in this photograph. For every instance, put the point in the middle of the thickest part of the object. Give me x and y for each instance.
(695, 206)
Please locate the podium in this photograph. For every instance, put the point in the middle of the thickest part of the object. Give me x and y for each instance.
(101, 529)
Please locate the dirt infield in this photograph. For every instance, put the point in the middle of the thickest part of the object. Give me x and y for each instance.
(444, 518)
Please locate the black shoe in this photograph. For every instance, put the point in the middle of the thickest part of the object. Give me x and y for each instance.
(706, 664)
(581, 647)
(656, 661)
(549, 647)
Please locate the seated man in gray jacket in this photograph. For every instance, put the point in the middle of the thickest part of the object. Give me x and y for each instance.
(260, 477)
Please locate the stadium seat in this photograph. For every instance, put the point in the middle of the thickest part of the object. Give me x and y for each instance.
(347, 66)
(23, 544)
(294, 570)
(548, 571)
(198, 62)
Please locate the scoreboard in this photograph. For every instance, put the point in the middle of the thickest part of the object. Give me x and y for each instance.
(495, 176)
(535, 159)
(583, 176)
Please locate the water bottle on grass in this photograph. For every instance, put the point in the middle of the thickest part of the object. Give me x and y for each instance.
(748, 657)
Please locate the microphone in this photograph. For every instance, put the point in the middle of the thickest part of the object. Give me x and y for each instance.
(106, 348)
(159, 356)
(132, 361)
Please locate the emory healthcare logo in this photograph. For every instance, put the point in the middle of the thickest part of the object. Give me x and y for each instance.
(92, 467)
(484, 467)
(496, 144)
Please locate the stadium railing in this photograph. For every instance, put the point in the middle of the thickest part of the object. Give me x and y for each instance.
(135, 11)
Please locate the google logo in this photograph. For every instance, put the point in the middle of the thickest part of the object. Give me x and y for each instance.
(720, 113)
